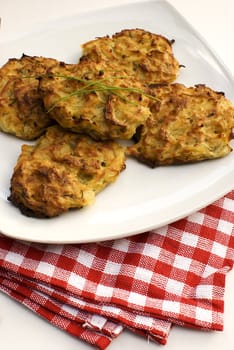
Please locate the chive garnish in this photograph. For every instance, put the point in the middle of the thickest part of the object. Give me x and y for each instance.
(94, 86)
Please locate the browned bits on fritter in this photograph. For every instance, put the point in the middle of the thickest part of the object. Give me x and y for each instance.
(22, 111)
(147, 56)
(95, 99)
(63, 170)
(187, 125)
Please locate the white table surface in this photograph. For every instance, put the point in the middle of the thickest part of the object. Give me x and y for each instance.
(19, 328)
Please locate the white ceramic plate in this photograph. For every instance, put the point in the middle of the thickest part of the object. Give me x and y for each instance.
(142, 198)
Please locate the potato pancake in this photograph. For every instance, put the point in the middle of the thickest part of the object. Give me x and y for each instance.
(63, 170)
(187, 125)
(142, 54)
(95, 99)
(22, 112)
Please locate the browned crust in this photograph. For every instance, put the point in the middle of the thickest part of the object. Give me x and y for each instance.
(187, 125)
(22, 111)
(147, 56)
(63, 171)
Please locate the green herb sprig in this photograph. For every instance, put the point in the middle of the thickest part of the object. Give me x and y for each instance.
(94, 86)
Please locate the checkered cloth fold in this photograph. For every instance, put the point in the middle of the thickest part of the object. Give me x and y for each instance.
(148, 282)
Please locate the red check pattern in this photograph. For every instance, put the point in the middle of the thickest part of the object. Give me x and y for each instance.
(148, 282)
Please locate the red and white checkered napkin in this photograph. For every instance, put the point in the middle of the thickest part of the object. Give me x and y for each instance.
(175, 274)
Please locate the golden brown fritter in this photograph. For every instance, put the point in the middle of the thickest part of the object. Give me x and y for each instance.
(22, 111)
(187, 125)
(145, 55)
(95, 99)
(63, 170)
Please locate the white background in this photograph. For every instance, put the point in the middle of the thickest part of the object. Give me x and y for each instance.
(20, 328)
